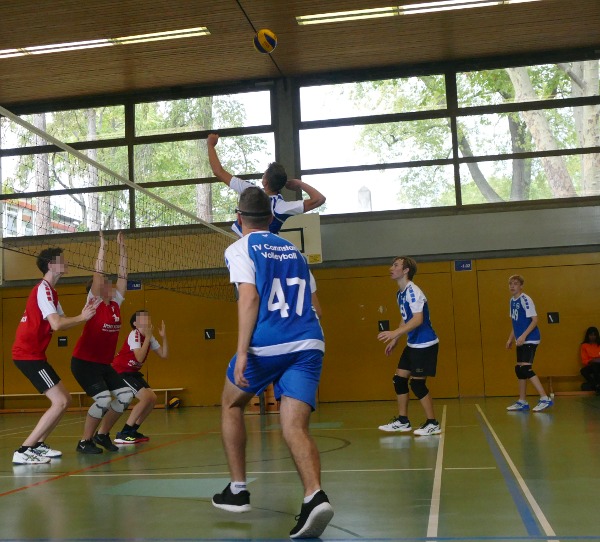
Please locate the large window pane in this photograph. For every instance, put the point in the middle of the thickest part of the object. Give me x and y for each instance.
(181, 160)
(373, 98)
(206, 113)
(538, 130)
(57, 171)
(406, 188)
(531, 179)
(375, 144)
(524, 84)
(92, 124)
(65, 213)
(212, 202)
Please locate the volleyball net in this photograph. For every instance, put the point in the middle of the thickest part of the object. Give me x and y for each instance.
(55, 195)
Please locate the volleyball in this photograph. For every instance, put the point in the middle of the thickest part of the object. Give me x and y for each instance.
(174, 402)
(265, 41)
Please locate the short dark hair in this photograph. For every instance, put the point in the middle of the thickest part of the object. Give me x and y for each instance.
(276, 176)
(408, 263)
(135, 315)
(47, 256)
(255, 207)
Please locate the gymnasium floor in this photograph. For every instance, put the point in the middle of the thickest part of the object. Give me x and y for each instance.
(491, 475)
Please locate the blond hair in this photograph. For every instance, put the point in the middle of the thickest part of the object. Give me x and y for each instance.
(518, 278)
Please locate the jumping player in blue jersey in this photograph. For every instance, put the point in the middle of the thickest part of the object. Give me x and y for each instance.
(526, 335)
(274, 179)
(280, 341)
(419, 358)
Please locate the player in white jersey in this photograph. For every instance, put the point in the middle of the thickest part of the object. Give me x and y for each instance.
(526, 335)
(274, 179)
(419, 358)
(280, 340)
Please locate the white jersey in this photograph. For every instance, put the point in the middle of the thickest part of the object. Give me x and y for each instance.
(282, 209)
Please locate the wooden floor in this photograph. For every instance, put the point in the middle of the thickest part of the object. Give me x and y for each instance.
(491, 475)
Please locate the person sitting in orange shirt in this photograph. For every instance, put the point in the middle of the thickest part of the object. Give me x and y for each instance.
(590, 358)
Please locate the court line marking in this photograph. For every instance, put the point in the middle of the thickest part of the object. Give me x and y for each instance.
(434, 510)
(91, 467)
(470, 468)
(528, 495)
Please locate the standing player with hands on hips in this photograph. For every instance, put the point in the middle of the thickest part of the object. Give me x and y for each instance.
(419, 358)
(526, 335)
(280, 341)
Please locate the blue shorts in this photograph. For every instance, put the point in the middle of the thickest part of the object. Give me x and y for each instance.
(294, 375)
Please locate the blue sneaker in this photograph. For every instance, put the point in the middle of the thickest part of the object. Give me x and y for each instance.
(543, 404)
(521, 406)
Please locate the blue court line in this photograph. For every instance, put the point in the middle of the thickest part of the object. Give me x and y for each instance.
(525, 511)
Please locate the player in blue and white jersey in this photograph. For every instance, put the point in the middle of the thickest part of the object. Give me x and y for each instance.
(526, 335)
(274, 179)
(280, 341)
(419, 358)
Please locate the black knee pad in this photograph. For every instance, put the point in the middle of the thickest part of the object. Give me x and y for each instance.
(524, 372)
(419, 388)
(400, 385)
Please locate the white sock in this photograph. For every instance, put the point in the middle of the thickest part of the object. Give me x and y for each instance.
(310, 497)
(522, 401)
(544, 398)
(237, 487)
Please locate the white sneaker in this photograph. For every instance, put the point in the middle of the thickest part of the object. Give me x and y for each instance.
(396, 426)
(519, 406)
(45, 451)
(29, 457)
(428, 428)
(543, 404)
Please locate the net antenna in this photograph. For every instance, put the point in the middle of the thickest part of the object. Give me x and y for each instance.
(168, 247)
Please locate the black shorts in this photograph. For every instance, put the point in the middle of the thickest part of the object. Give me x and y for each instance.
(96, 377)
(39, 372)
(135, 381)
(419, 361)
(526, 353)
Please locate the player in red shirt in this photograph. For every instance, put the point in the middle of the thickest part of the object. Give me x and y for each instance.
(128, 363)
(95, 350)
(43, 315)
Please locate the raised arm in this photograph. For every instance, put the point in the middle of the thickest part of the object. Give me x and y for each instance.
(213, 159)
(315, 198)
(98, 278)
(122, 273)
(163, 351)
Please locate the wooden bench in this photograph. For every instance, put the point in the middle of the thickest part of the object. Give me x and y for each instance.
(80, 395)
(551, 380)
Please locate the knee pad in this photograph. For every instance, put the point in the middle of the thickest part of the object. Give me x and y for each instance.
(400, 385)
(123, 396)
(100, 406)
(419, 388)
(524, 372)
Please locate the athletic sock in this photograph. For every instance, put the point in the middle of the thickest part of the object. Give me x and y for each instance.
(310, 497)
(432, 420)
(127, 429)
(135, 426)
(403, 419)
(23, 449)
(237, 487)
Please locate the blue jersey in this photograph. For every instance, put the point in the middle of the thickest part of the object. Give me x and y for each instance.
(286, 320)
(282, 209)
(521, 311)
(412, 300)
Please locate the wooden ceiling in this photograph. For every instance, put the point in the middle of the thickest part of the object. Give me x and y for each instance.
(227, 55)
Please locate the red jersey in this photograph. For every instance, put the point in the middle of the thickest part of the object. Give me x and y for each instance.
(125, 361)
(589, 351)
(98, 341)
(34, 331)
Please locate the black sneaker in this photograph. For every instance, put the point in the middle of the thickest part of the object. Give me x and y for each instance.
(105, 442)
(139, 437)
(88, 447)
(226, 500)
(314, 517)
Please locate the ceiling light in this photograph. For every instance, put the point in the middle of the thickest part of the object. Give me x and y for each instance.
(408, 9)
(92, 44)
